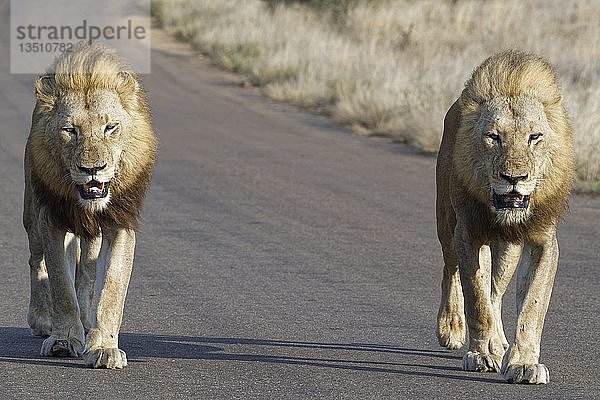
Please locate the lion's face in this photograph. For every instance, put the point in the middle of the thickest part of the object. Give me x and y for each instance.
(91, 129)
(514, 135)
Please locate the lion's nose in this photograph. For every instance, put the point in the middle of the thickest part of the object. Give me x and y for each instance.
(92, 170)
(512, 179)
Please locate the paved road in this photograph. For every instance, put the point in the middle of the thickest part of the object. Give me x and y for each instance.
(280, 257)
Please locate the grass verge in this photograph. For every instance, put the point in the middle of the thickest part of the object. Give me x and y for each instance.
(393, 67)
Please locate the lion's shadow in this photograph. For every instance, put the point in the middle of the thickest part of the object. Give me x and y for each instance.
(18, 346)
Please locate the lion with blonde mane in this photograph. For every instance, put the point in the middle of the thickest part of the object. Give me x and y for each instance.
(88, 162)
(504, 175)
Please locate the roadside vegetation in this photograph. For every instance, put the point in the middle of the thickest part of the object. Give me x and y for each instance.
(393, 67)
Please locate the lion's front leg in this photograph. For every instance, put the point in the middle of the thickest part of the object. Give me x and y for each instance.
(505, 258)
(60, 254)
(485, 346)
(113, 271)
(85, 279)
(535, 280)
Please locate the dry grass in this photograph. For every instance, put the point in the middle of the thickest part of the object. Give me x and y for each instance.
(393, 67)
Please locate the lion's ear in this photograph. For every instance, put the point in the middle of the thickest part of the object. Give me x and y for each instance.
(559, 99)
(45, 89)
(128, 81)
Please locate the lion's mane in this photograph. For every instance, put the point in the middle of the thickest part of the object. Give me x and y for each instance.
(512, 74)
(91, 67)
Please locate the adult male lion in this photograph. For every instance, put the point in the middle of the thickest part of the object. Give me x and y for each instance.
(504, 175)
(88, 162)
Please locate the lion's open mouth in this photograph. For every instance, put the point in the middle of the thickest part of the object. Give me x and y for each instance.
(510, 200)
(93, 190)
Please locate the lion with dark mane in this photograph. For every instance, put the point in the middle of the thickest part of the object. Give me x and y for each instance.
(504, 175)
(88, 162)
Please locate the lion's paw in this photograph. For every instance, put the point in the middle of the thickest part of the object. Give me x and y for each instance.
(451, 331)
(527, 373)
(452, 339)
(61, 347)
(477, 362)
(40, 326)
(101, 357)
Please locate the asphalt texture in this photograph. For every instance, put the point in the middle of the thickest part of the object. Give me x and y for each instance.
(280, 257)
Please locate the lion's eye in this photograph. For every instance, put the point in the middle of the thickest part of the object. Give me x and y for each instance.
(69, 130)
(494, 136)
(110, 128)
(534, 137)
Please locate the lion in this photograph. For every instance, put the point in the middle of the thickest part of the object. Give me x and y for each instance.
(88, 162)
(504, 175)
